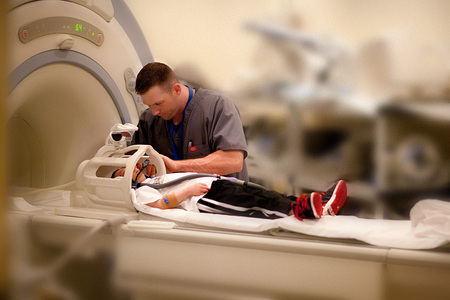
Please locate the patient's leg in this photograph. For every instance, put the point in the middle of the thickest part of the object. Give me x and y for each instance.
(231, 198)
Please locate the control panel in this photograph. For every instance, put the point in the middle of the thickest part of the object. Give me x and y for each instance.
(130, 81)
(67, 25)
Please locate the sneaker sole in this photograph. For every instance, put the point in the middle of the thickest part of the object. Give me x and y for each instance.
(316, 205)
(337, 199)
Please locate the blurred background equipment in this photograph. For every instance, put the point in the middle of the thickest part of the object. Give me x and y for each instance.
(413, 148)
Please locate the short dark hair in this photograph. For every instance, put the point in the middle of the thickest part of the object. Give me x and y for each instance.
(153, 74)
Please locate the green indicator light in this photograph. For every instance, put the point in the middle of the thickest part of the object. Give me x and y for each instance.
(92, 34)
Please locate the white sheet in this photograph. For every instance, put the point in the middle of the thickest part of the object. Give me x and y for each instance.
(406, 234)
(431, 218)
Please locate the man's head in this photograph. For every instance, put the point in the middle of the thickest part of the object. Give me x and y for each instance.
(155, 74)
(160, 89)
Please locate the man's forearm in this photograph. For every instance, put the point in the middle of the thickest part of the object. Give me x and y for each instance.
(219, 162)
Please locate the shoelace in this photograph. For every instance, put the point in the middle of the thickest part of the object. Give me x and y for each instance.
(301, 205)
(327, 195)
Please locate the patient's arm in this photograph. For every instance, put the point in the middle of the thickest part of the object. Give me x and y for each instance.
(174, 199)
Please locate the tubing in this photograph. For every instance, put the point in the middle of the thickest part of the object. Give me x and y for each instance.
(198, 175)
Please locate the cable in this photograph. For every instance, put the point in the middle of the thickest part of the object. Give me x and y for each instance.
(134, 182)
(144, 165)
(198, 175)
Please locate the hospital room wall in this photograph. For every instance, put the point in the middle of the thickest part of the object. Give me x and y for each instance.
(209, 36)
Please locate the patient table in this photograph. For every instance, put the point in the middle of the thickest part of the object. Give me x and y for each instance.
(179, 254)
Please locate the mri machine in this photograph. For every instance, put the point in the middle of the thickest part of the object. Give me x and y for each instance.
(72, 75)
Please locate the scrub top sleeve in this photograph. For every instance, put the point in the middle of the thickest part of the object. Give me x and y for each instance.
(228, 132)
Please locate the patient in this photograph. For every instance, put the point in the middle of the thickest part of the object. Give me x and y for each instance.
(213, 195)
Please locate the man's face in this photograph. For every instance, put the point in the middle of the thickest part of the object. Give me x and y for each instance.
(163, 103)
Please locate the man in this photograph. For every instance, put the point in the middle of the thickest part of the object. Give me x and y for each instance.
(195, 130)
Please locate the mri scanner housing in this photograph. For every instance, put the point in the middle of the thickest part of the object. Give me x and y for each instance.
(71, 78)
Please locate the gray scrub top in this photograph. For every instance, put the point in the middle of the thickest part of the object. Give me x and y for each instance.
(211, 122)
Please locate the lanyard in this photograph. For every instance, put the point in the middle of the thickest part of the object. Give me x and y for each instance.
(178, 153)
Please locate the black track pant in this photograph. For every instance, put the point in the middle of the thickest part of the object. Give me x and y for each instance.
(227, 197)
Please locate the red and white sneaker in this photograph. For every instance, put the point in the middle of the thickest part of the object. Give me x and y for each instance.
(334, 198)
(308, 206)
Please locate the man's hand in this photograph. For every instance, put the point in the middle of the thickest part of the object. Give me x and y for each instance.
(150, 170)
(171, 165)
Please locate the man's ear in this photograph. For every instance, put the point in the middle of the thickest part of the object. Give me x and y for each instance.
(176, 88)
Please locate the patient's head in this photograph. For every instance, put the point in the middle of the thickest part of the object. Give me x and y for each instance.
(136, 173)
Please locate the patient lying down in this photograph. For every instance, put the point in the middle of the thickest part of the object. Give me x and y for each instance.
(214, 195)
